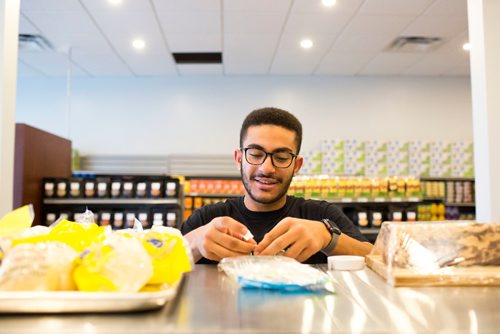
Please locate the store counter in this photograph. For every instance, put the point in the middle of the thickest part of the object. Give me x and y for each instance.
(209, 302)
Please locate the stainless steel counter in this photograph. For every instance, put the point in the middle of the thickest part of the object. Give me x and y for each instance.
(210, 303)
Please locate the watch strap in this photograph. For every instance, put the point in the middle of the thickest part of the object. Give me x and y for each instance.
(335, 233)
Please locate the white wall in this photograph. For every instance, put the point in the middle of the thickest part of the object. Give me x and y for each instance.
(160, 116)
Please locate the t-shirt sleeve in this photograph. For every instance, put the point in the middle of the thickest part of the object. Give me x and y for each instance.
(335, 214)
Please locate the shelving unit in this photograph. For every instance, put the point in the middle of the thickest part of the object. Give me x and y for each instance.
(115, 200)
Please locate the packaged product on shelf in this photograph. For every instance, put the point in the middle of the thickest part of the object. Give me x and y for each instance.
(171, 189)
(103, 187)
(50, 218)
(75, 188)
(187, 214)
(362, 219)
(198, 202)
(118, 222)
(62, 188)
(143, 218)
(158, 219)
(397, 216)
(171, 219)
(116, 188)
(155, 190)
(105, 218)
(65, 215)
(129, 219)
(90, 190)
(140, 189)
(411, 216)
(376, 219)
(128, 189)
(49, 188)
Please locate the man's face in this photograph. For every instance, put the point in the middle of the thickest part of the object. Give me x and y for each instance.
(266, 185)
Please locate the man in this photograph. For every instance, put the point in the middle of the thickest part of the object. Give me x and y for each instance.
(307, 230)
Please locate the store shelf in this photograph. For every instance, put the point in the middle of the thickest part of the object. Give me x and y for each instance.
(212, 195)
(471, 205)
(381, 200)
(447, 178)
(107, 201)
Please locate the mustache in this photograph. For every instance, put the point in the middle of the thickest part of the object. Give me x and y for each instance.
(269, 176)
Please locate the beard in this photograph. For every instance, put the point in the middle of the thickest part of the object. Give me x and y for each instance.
(284, 185)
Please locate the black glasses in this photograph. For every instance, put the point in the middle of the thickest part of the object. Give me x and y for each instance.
(256, 156)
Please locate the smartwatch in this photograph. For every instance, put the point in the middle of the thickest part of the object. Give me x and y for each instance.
(334, 232)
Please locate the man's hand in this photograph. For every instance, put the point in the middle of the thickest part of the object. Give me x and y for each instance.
(295, 238)
(222, 237)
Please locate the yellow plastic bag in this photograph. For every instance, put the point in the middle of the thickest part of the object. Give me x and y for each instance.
(15, 222)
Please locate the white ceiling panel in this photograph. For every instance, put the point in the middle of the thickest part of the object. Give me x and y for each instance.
(187, 5)
(448, 8)
(129, 23)
(378, 25)
(316, 23)
(292, 59)
(50, 63)
(430, 65)
(253, 23)
(342, 7)
(462, 69)
(390, 63)
(245, 68)
(183, 22)
(250, 48)
(124, 6)
(436, 26)
(362, 43)
(194, 42)
(257, 37)
(107, 64)
(280, 6)
(24, 70)
(25, 26)
(341, 63)
(55, 21)
(151, 65)
(200, 69)
(43, 5)
(394, 7)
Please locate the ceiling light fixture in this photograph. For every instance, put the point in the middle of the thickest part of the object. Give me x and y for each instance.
(138, 44)
(466, 46)
(115, 2)
(328, 3)
(306, 43)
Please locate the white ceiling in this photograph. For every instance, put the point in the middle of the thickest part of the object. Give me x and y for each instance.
(256, 37)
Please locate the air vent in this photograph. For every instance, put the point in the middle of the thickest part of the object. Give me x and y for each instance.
(198, 57)
(33, 42)
(415, 44)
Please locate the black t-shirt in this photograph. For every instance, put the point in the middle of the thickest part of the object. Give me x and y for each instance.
(259, 223)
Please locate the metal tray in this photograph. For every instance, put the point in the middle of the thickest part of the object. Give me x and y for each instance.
(83, 302)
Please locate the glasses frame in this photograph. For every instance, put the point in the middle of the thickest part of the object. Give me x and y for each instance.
(271, 154)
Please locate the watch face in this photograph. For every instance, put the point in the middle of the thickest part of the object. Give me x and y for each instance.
(332, 227)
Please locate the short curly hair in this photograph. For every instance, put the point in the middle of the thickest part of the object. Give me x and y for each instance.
(272, 116)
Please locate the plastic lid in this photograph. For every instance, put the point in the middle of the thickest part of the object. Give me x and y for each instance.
(346, 262)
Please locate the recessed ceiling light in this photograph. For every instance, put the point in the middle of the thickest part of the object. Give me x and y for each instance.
(328, 3)
(115, 2)
(306, 43)
(138, 44)
(466, 46)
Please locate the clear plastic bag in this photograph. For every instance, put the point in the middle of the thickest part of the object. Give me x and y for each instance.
(276, 273)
